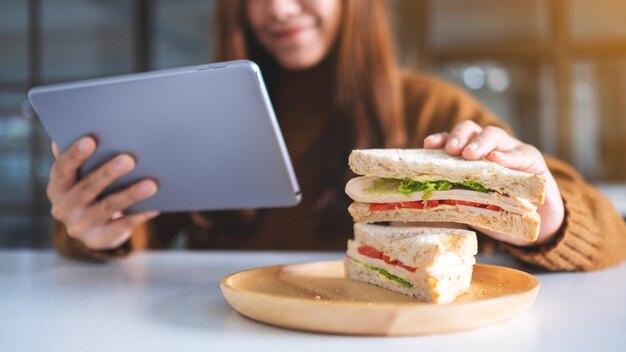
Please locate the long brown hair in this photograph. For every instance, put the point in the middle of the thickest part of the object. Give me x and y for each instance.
(366, 89)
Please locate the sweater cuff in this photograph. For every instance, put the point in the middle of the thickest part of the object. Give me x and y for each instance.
(70, 247)
(571, 250)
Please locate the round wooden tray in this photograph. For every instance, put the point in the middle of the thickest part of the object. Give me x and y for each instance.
(317, 297)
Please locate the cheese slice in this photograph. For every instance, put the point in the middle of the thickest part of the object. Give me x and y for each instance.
(357, 187)
(445, 264)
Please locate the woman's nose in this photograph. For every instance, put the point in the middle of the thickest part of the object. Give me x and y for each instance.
(284, 9)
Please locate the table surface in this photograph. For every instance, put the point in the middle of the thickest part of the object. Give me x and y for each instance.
(171, 301)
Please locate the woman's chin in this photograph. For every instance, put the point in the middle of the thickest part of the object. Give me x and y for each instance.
(299, 62)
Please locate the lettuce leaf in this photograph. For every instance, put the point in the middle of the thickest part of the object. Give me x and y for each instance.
(407, 186)
(384, 273)
(382, 186)
(475, 186)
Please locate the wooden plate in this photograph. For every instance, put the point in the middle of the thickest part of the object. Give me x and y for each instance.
(316, 297)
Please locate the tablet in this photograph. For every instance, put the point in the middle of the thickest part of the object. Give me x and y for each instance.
(207, 134)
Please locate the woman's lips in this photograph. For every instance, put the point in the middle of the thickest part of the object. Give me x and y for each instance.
(289, 33)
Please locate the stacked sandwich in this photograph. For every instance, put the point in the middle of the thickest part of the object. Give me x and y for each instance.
(421, 185)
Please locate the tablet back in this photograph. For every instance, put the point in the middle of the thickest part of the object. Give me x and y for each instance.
(207, 134)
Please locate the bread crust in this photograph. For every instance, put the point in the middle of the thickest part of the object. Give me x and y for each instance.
(416, 246)
(435, 164)
(439, 289)
(525, 227)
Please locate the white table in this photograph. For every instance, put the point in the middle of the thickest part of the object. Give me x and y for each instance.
(171, 301)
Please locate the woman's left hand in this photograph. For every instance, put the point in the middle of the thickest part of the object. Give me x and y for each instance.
(473, 142)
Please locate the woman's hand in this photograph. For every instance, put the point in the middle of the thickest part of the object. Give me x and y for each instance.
(472, 142)
(99, 225)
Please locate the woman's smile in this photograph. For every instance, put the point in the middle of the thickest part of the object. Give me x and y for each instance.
(292, 34)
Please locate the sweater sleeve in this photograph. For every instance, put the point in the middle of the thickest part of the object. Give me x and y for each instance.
(70, 247)
(159, 233)
(593, 234)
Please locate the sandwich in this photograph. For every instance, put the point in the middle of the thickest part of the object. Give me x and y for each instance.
(428, 185)
(430, 264)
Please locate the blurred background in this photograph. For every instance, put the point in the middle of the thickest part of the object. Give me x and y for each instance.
(555, 70)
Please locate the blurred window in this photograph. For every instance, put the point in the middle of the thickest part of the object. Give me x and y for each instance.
(598, 19)
(463, 22)
(85, 39)
(183, 33)
(13, 41)
(64, 40)
(554, 70)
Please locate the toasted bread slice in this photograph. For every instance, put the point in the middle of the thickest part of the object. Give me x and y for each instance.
(435, 164)
(417, 246)
(430, 264)
(525, 226)
(435, 289)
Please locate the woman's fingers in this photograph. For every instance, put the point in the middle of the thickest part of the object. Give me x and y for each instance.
(116, 232)
(524, 157)
(113, 204)
(99, 226)
(460, 136)
(436, 141)
(63, 172)
(55, 150)
(87, 189)
(489, 139)
(103, 225)
(473, 142)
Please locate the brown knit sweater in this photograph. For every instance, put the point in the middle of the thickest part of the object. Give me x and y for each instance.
(593, 235)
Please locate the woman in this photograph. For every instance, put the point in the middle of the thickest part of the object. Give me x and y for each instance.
(335, 85)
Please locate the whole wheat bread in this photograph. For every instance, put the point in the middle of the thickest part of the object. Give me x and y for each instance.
(435, 164)
(416, 246)
(525, 226)
(439, 289)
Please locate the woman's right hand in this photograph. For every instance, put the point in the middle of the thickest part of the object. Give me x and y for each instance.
(98, 224)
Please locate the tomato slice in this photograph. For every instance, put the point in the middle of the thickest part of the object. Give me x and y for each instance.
(388, 260)
(384, 206)
(372, 252)
(412, 205)
(411, 269)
